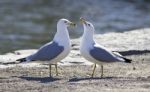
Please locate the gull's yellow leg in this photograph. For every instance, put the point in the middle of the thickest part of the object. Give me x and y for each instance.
(102, 71)
(94, 70)
(50, 67)
(56, 69)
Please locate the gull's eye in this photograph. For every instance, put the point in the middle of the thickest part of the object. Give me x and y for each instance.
(65, 21)
(88, 24)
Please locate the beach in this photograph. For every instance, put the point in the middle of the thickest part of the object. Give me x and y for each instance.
(75, 71)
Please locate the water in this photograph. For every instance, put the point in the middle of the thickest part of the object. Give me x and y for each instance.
(27, 24)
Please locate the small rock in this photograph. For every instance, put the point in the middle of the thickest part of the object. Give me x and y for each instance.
(134, 68)
(106, 85)
(17, 53)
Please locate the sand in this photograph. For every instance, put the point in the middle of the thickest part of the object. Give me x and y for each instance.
(75, 71)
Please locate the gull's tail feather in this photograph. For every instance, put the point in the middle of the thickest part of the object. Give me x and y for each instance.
(127, 60)
(22, 60)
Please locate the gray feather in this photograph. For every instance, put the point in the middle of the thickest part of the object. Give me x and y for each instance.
(47, 52)
(102, 54)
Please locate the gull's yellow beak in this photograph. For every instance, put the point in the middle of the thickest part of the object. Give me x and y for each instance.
(83, 21)
(71, 24)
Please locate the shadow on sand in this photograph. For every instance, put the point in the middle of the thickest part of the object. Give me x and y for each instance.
(111, 78)
(133, 52)
(89, 78)
(41, 79)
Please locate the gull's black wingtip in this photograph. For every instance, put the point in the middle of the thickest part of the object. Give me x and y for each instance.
(21, 60)
(127, 60)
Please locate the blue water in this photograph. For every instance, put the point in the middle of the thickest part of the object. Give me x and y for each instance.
(27, 24)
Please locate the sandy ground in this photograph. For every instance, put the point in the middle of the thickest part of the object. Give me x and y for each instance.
(75, 72)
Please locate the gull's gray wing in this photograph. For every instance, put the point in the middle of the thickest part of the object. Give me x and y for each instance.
(47, 52)
(103, 55)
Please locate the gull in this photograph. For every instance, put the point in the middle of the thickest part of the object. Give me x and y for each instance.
(95, 52)
(56, 50)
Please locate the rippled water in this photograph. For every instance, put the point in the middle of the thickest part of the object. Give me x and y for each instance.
(27, 24)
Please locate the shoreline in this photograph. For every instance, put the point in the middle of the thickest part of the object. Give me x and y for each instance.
(75, 72)
(134, 42)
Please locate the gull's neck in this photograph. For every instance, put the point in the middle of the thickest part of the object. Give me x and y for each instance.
(62, 35)
(87, 38)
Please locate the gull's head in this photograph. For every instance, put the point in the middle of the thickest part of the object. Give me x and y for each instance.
(65, 23)
(87, 25)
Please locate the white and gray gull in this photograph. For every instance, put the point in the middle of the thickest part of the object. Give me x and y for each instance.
(95, 52)
(56, 50)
